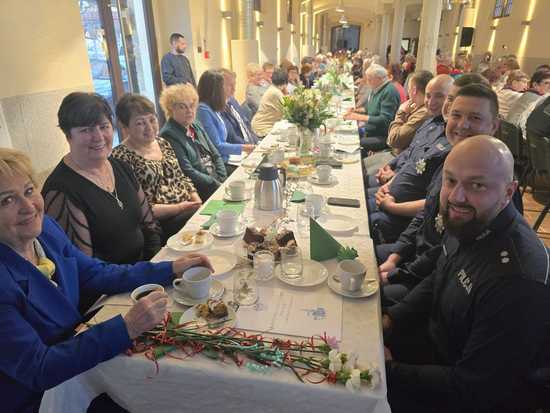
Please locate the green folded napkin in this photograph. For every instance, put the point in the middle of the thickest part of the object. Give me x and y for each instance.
(208, 224)
(298, 196)
(214, 206)
(348, 99)
(322, 245)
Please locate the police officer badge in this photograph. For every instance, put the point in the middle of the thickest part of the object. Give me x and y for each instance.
(439, 227)
(420, 166)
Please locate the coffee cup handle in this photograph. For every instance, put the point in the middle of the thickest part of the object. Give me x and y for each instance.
(179, 284)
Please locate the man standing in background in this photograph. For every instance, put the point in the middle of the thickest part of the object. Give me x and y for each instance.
(174, 65)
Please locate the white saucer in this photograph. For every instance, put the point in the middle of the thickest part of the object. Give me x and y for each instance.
(215, 230)
(191, 315)
(247, 196)
(324, 211)
(337, 223)
(313, 273)
(216, 291)
(368, 288)
(314, 179)
(176, 243)
(222, 261)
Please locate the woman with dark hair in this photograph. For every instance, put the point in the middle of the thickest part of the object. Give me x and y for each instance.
(271, 105)
(395, 75)
(538, 86)
(211, 103)
(172, 195)
(95, 198)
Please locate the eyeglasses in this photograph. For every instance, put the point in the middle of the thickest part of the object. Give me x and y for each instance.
(184, 106)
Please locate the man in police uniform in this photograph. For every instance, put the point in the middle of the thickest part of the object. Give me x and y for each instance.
(468, 336)
(409, 260)
(394, 205)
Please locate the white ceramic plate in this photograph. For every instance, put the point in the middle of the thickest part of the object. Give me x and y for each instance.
(313, 273)
(216, 291)
(176, 242)
(215, 230)
(337, 223)
(368, 288)
(222, 261)
(314, 179)
(347, 140)
(191, 315)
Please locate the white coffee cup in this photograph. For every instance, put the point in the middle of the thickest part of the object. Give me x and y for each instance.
(236, 190)
(352, 274)
(194, 282)
(325, 149)
(317, 202)
(323, 173)
(227, 221)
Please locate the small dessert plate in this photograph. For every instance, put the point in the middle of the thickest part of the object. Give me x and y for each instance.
(186, 241)
(368, 288)
(215, 230)
(190, 318)
(314, 179)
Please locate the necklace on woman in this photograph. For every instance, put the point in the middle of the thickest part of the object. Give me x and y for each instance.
(98, 179)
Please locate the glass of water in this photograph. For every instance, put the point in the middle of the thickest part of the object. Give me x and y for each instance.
(291, 262)
(245, 290)
(264, 262)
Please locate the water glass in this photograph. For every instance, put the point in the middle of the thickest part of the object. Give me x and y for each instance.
(291, 262)
(245, 290)
(304, 212)
(264, 262)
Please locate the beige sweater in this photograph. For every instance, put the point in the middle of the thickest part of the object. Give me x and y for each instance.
(269, 112)
(403, 128)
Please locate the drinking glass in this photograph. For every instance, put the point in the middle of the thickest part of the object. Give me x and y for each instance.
(264, 262)
(303, 213)
(245, 290)
(291, 262)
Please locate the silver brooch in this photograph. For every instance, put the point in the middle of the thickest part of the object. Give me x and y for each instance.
(420, 166)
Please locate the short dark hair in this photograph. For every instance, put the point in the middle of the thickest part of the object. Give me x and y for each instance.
(175, 37)
(539, 76)
(132, 104)
(480, 90)
(292, 67)
(279, 78)
(542, 67)
(82, 109)
(469, 78)
(420, 79)
(210, 90)
(395, 71)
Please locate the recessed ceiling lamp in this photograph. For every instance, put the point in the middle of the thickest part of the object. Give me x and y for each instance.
(343, 21)
(340, 7)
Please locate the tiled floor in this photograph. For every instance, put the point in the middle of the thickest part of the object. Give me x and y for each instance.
(532, 206)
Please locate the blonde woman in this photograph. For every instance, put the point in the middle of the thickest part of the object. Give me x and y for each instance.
(255, 88)
(198, 157)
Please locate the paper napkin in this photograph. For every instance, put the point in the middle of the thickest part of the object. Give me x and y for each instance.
(213, 206)
(322, 245)
(298, 196)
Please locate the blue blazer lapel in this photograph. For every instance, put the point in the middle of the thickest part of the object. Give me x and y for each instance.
(49, 301)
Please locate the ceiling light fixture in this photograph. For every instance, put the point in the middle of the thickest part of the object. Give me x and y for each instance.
(227, 15)
(340, 7)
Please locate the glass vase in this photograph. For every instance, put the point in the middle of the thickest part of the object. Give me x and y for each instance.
(306, 142)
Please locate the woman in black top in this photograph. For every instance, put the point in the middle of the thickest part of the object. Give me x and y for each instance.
(95, 198)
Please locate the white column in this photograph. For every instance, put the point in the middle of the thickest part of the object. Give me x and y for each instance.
(429, 31)
(400, 7)
(310, 47)
(384, 34)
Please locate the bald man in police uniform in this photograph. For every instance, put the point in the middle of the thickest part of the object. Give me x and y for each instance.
(468, 336)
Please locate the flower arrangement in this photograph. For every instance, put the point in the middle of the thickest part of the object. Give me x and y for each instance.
(334, 81)
(314, 360)
(346, 253)
(306, 108)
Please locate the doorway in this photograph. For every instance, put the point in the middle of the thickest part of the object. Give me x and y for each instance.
(345, 38)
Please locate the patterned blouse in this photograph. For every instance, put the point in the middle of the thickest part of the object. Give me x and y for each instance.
(162, 180)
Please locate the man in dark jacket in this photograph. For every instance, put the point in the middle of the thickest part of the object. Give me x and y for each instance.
(174, 65)
(469, 335)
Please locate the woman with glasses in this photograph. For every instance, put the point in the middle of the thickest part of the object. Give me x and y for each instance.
(172, 195)
(198, 157)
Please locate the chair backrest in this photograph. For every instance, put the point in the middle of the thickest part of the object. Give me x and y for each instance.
(510, 134)
(539, 152)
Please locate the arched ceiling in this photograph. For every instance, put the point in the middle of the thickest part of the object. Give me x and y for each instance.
(360, 9)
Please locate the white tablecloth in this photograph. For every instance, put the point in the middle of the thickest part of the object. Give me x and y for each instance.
(201, 384)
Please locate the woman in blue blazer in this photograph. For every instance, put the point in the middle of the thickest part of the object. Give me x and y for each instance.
(212, 102)
(43, 276)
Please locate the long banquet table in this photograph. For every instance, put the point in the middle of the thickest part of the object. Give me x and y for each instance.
(201, 384)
